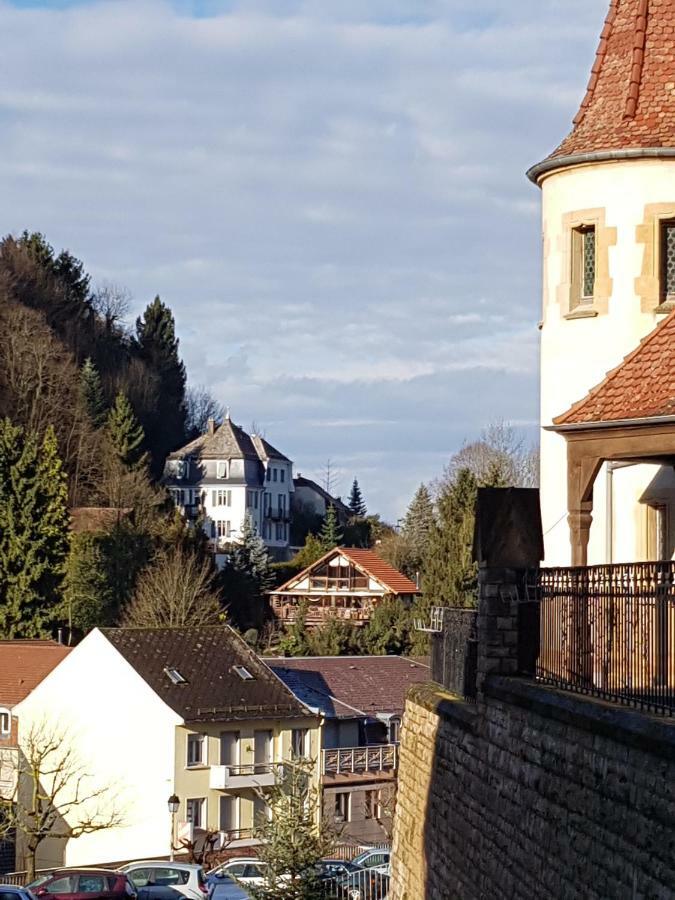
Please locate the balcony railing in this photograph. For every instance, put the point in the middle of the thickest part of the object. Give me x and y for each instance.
(278, 515)
(359, 760)
(317, 614)
(608, 631)
(232, 778)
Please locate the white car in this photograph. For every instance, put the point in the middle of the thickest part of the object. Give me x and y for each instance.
(163, 880)
(245, 869)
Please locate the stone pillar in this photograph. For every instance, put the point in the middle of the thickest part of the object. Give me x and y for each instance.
(508, 543)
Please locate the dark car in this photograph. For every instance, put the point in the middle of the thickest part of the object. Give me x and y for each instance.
(363, 884)
(335, 868)
(226, 888)
(83, 884)
(12, 892)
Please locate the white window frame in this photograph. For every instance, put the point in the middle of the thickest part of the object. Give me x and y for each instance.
(5, 722)
(203, 744)
(302, 735)
(221, 469)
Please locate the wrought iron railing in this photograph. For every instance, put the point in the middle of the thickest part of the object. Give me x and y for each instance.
(609, 631)
(453, 648)
(357, 760)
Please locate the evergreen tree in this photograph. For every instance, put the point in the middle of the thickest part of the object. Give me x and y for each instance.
(388, 631)
(449, 571)
(331, 533)
(334, 637)
(295, 641)
(126, 433)
(91, 392)
(246, 579)
(417, 526)
(88, 594)
(292, 842)
(157, 345)
(356, 503)
(34, 532)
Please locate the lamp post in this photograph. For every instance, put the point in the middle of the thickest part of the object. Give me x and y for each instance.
(174, 803)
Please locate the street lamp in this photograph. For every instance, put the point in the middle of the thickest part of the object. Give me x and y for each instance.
(174, 803)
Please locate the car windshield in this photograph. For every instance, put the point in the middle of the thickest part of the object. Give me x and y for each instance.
(38, 881)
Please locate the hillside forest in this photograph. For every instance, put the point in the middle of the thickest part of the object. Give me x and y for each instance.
(89, 408)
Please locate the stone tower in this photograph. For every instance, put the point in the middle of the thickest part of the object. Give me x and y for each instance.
(608, 194)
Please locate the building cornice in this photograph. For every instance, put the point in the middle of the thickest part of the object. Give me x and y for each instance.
(538, 172)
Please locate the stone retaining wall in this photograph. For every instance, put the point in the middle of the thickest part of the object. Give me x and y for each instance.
(534, 793)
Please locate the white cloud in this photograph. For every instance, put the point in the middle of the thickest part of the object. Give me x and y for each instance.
(329, 195)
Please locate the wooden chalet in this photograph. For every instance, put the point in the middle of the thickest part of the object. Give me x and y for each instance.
(346, 583)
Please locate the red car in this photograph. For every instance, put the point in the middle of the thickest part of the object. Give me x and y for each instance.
(83, 884)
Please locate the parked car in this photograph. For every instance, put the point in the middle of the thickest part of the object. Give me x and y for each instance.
(165, 880)
(83, 884)
(12, 892)
(363, 884)
(335, 868)
(244, 869)
(369, 859)
(226, 888)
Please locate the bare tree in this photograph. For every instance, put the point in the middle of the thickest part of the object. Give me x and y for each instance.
(499, 454)
(329, 477)
(54, 797)
(176, 589)
(202, 406)
(111, 301)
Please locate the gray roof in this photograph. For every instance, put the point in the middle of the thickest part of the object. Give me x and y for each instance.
(229, 441)
(205, 657)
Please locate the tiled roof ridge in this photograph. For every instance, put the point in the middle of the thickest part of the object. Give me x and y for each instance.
(638, 60)
(353, 553)
(599, 61)
(569, 417)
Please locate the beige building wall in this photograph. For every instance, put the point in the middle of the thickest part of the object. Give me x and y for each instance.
(193, 782)
(123, 735)
(624, 200)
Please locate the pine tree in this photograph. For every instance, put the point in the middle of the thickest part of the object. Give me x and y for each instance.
(417, 525)
(295, 641)
(34, 532)
(449, 571)
(331, 533)
(356, 502)
(88, 594)
(125, 433)
(157, 345)
(246, 579)
(292, 842)
(91, 392)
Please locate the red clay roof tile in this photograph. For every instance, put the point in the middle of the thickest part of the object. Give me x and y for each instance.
(641, 387)
(24, 664)
(630, 100)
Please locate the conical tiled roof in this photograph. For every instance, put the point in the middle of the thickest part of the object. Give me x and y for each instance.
(630, 101)
(641, 387)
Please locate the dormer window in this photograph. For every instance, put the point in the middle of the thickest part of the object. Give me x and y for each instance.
(243, 673)
(668, 261)
(583, 264)
(5, 723)
(221, 469)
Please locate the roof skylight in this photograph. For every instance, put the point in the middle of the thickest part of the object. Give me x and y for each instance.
(243, 673)
(174, 675)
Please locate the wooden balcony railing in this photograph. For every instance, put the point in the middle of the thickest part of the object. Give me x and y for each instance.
(359, 760)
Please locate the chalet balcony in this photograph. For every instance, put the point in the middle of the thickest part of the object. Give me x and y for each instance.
(238, 778)
(360, 760)
(317, 613)
(330, 584)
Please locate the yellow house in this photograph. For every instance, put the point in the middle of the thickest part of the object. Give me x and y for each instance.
(157, 713)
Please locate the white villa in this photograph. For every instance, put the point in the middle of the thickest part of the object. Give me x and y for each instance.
(225, 475)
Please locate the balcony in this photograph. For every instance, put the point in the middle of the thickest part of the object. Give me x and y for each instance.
(237, 778)
(317, 615)
(278, 515)
(360, 760)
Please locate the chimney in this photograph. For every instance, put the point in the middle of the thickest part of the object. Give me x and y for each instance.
(211, 426)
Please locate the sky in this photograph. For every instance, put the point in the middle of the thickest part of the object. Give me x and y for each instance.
(329, 194)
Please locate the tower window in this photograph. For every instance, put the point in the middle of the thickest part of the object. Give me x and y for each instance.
(668, 261)
(583, 265)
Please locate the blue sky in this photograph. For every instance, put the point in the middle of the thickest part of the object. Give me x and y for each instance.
(330, 194)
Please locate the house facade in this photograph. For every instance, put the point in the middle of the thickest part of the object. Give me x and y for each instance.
(153, 713)
(225, 475)
(608, 214)
(346, 583)
(360, 700)
(23, 665)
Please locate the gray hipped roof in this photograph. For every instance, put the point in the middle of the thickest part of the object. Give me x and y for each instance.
(229, 441)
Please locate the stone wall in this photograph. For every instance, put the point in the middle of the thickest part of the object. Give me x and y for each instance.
(533, 793)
